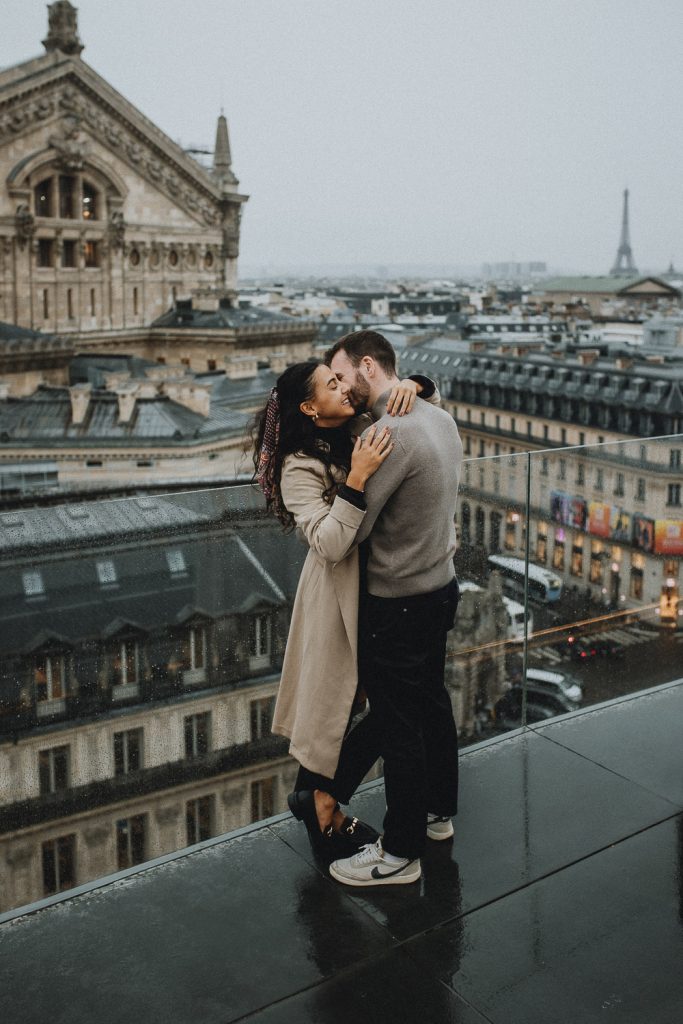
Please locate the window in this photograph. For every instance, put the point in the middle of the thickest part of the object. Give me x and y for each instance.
(261, 717)
(126, 663)
(43, 198)
(529, 429)
(479, 526)
(545, 431)
(497, 422)
(262, 802)
(106, 573)
(260, 639)
(582, 438)
(563, 435)
(49, 677)
(562, 469)
(135, 302)
(69, 253)
(67, 193)
(673, 494)
(580, 473)
(558, 555)
(640, 488)
(193, 656)
(130, 841)
(33, 584)
(482, 418)
(596, 566)
(511, 531)
(46, 304)
(513, 426)
(92, 302)
(53, 770)
(91, 253)
(69, 303)
(599, 479)
(199, 819)
(544, 465)
(619, 485)
(89, 204)
(176, 562)
(45, 247)
(465, 522)
(197, 734)
(127, 751)
(637, 572)
(482, 450)
(542, 543)
(59, 864)
(577, 557)
(675, 458)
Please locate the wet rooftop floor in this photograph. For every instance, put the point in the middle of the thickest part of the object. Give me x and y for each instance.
(559, 900)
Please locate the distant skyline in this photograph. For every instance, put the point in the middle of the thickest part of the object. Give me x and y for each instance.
(450, 133)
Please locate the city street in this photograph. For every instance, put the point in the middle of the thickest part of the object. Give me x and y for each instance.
(648, 661)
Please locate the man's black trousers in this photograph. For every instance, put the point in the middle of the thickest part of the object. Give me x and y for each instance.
(404, 654)
(402, 651)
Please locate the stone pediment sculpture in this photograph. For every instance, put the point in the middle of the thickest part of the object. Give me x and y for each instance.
(72, 149)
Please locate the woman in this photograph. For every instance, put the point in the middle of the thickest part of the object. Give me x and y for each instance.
(313, 470)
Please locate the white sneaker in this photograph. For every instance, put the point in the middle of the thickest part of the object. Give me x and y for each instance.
(369, 867)
(439, 827)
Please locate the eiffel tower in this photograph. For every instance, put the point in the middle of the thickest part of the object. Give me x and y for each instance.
(624, 265)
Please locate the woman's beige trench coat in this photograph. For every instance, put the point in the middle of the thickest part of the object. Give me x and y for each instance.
(320, 670)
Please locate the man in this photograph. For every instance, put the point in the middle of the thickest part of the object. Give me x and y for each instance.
(410, 605)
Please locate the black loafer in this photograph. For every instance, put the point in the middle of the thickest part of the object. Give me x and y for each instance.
(330, 845)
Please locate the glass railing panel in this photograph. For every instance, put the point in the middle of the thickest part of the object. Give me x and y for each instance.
(140, 647)
(606, 519)
(486, 649)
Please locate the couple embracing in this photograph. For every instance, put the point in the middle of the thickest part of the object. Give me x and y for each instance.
(368, 474)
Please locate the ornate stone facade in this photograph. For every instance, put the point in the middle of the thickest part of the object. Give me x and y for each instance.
(106, 221)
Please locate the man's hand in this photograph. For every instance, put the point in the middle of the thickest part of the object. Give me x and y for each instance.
(402, 397)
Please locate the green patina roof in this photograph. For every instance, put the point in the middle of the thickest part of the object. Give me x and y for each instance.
(587, 284)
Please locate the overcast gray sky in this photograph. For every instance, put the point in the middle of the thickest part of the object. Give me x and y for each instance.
(389, 131)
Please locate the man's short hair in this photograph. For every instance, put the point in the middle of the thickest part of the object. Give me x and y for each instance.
(365, 343)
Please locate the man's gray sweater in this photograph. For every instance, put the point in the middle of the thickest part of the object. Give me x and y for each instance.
(411, 503)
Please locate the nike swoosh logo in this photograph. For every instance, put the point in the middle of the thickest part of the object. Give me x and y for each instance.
(376, 873)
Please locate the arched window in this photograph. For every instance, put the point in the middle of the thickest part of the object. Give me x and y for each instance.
(67, 197)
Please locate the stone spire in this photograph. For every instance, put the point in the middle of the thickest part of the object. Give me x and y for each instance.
(222, 161)
(62, 29)
(624, 265)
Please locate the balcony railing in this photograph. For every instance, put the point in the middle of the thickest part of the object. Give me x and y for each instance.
(570, 597)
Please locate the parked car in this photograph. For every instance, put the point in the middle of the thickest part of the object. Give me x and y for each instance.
(541, 705)
(560, 683)
(552, 681)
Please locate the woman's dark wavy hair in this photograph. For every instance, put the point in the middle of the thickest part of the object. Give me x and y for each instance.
(298, 436)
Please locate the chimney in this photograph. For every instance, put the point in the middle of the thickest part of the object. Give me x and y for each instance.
(624, 362)
(80, 400)
(241, 367)
(126, 397)
(192, 396)
(588, 356)
(115, 379)
(278, 361)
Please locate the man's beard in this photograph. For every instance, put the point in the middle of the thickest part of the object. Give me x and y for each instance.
(359, 393)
